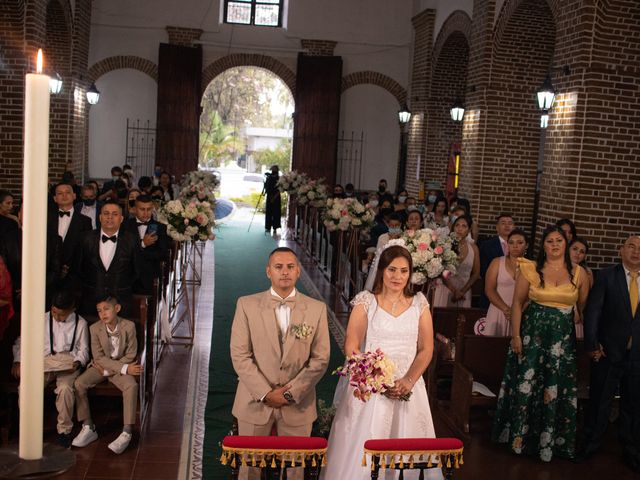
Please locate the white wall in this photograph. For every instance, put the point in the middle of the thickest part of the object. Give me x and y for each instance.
(124, 94)
(373, 110)
(443, 9)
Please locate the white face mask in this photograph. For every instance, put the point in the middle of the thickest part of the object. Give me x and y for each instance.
(402, 198)
(156, 181)
(431, 198)
(373, 203)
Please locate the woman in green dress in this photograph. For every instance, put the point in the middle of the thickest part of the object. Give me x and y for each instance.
(537, 405)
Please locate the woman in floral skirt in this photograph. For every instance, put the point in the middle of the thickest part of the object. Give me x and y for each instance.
(537, 405)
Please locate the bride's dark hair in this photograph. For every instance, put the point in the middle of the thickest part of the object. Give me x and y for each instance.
(388, 256)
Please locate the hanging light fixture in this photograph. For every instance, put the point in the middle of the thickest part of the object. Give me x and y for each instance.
(55, 83)
(546, 94)
(457, 111)
(544, 120)
(404, 115)
(93, 95)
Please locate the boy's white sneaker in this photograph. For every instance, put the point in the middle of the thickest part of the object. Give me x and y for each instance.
(121, 443)
(85, 437)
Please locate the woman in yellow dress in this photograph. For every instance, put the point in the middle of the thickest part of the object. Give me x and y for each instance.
(537, 405)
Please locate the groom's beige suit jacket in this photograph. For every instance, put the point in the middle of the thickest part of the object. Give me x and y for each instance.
(264, 361)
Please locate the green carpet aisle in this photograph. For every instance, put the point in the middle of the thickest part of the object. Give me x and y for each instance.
(240, 270)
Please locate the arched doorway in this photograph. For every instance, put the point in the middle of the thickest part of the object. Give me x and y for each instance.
(245, 127)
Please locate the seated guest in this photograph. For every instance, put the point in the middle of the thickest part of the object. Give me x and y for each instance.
(338, 191)
(6, 205)
(568, 227)
(153, 247)
(455, 291)
(157, 195)
(382, 187)
(167, 186)
(109, 189)
(380, 220)
(373, 201)
(6, 297)
(499, 285)
(106, 261)
(66, 351)
(434, 190)
(349, 190)
(114, 347)
(128, 171)
(130, 210)
(89, 206)
(412, 204)
(496, 246)
(144, 184)
(414, 220)
(394, 230)
(68, 223)
(438, 217)
(578, 249)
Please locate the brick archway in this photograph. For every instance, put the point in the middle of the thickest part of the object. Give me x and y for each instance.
(510, 7)
(118, 62)
(458, 21)
(249, 60)
(378, 79)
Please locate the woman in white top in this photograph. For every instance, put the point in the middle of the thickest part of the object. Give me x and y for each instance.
(455, 291)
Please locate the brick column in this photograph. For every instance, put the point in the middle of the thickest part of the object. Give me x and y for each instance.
(423, 25)
(318, 48)
(185, 37)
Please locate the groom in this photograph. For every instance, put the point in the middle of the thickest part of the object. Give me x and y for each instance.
(612, 336)
(280, 350)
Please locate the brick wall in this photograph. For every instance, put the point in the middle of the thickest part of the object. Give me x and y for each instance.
(318, 48)
(423, 25)
(183, 36)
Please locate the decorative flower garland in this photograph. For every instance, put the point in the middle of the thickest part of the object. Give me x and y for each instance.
(345, 213)
(188, 220)
(432, 254)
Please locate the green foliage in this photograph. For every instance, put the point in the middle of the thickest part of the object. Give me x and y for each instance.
(218, 143)
(281, 156)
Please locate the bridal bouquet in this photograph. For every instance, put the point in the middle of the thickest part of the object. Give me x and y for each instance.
(369, 373)
(199, 185)
(314, 193)
(432, 254)
(187, 220)
(345, 213)
(291, 181)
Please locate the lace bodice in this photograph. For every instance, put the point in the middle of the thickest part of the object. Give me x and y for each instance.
(396, 336)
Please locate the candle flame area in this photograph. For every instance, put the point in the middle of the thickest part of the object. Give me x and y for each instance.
(39, 61)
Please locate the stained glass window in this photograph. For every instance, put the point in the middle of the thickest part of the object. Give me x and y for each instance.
(267, 13)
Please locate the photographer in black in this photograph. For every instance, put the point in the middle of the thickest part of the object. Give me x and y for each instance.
(273, 201)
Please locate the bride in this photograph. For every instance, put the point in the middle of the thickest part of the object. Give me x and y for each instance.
(398, 322)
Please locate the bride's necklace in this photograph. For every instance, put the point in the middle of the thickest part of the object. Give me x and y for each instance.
(394, 304)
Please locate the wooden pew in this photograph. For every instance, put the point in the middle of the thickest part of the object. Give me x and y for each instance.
(482, 360)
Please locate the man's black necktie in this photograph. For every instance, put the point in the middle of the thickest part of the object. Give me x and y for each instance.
(62, 214)
(143, 223)
(105, 239)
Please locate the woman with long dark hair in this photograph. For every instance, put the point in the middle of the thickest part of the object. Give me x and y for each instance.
(537, 405)
(395, 320)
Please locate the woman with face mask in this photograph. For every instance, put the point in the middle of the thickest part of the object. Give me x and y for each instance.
(393, 222)
(131, 202)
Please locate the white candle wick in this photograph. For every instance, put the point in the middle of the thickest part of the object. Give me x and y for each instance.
(39, 61)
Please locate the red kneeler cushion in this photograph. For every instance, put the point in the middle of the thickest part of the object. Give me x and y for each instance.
(274, 443)
(413, 444)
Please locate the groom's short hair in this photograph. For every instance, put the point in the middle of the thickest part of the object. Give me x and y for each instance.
(283, 250)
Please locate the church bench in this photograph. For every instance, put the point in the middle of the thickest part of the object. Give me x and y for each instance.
(482, 360)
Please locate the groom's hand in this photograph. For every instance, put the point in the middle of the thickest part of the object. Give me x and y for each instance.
(275, 398)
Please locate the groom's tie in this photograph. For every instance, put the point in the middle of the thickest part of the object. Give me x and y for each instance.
(283, 307)
(283, 302)
(633, 292)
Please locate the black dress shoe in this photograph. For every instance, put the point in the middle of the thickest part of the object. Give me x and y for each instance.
(632, 461)
(64, 440)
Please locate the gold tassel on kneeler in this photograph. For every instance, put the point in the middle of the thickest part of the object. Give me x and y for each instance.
(313, 461)
(411, 462)
(304, 463)
(233, 462)
(382, 462)
(364, 460)
(244, 461)
(253, 460)
(273, 461)
(392, 463)
(455, 458)
(283, 462)
(439, 461)
(263, 462)
(448, 461)
(293, 460)
(429, 462)
(401, 466)
(223, 458)
(461, 459)
(324, 460)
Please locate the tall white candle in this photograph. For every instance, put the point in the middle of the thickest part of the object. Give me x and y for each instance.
(34, 252)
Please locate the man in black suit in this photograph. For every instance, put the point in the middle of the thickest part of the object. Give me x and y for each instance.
(153, 245)
(612, 336)
(496, 246)
(89, 205)
(107, 261)
(68, 223)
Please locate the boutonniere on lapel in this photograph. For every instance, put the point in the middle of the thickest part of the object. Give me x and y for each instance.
(301, 331)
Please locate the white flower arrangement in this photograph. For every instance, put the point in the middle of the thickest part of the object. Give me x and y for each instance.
(199, 185)
(313, 192)
(432, 254)
(188, 220)
(344, 213)
(291, 181)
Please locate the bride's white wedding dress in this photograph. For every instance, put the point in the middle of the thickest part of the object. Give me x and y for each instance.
(381, 417)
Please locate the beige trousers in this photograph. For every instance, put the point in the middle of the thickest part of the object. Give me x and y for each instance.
(127, 384)
(65, 398)
(284, 430)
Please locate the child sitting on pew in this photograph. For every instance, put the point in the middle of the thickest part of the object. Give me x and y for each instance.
(114, 347)
(66, 351)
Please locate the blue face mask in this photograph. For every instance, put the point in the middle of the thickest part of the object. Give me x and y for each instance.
(395, 230)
